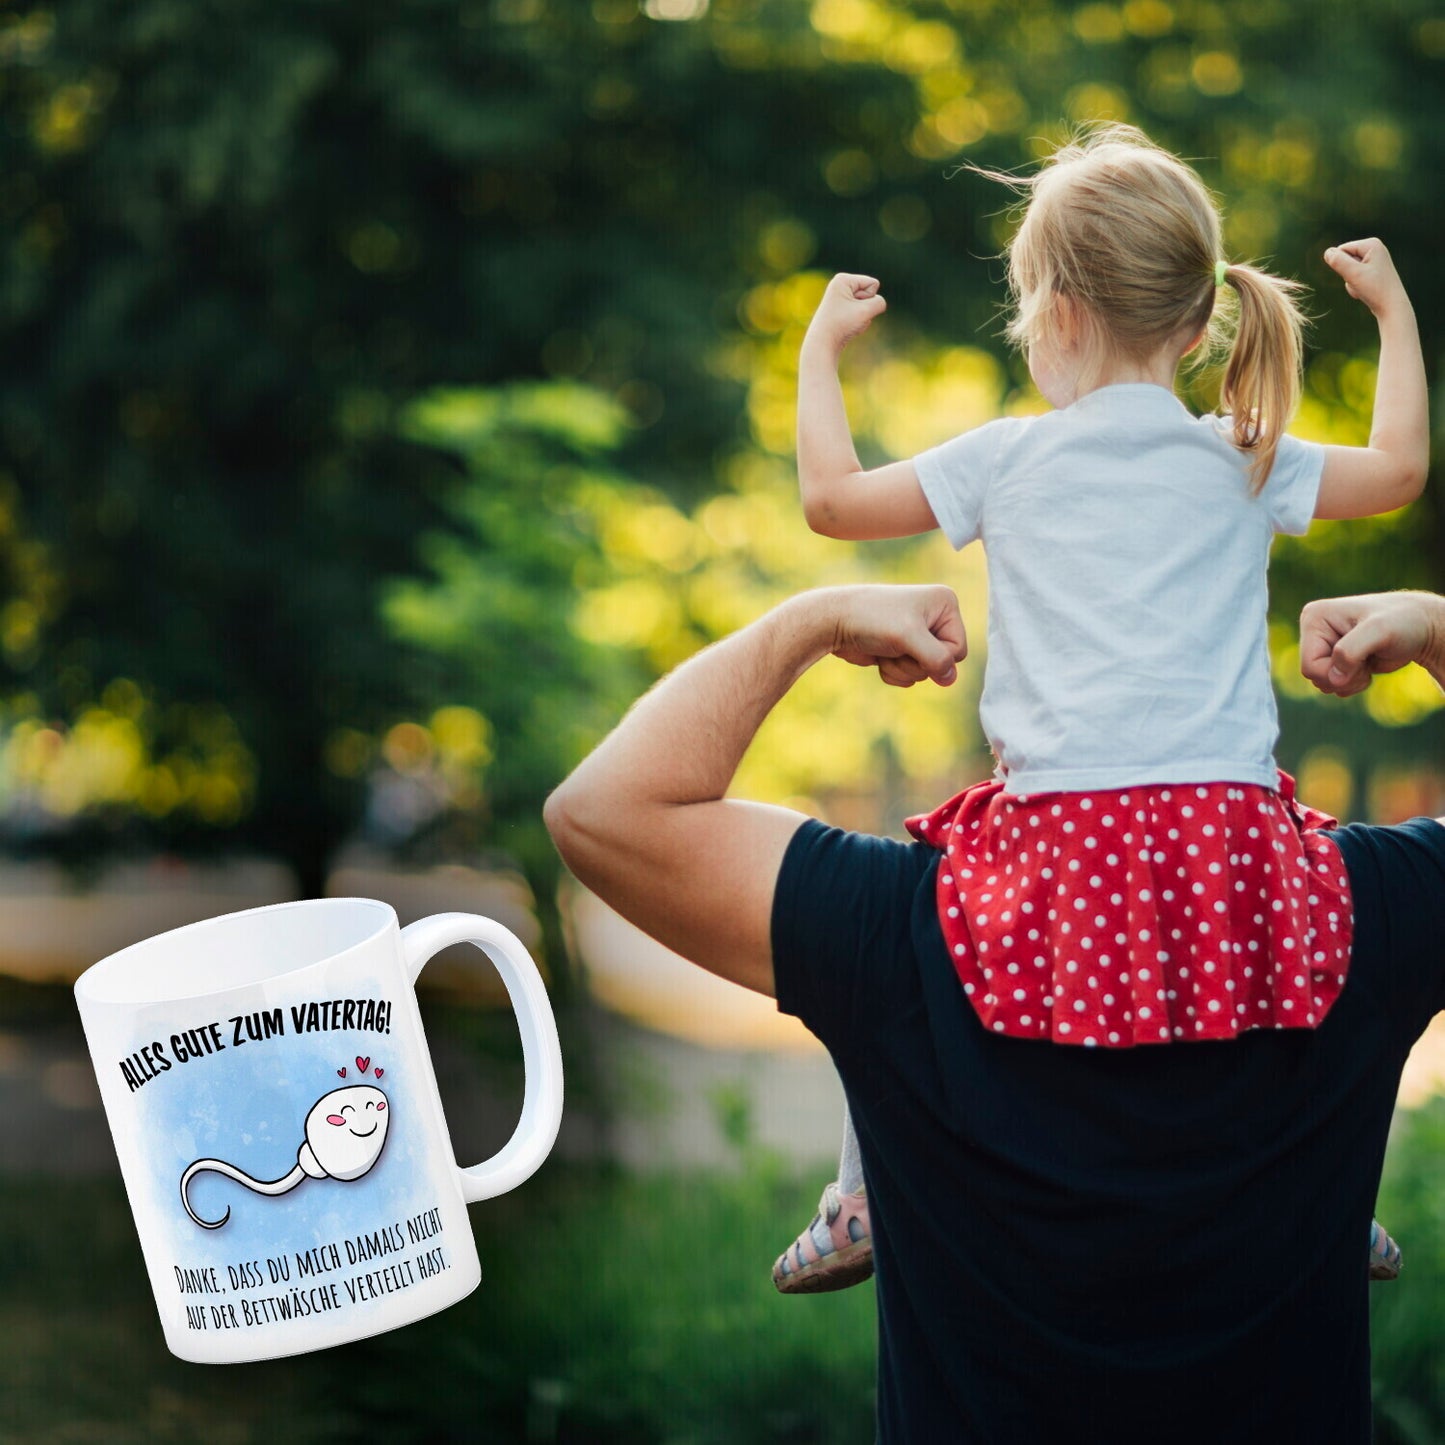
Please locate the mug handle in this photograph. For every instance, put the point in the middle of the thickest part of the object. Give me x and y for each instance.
(531, 1142)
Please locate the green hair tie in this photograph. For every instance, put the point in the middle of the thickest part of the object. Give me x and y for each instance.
(1220, 267)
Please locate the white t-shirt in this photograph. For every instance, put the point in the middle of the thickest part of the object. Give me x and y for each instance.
(1127, 595)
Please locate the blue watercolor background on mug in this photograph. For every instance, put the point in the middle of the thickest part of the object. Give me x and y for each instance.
(247, 1105)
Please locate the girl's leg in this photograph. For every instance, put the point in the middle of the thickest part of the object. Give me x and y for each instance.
(850, 1162)
(836, 1249)
(1385, 1259)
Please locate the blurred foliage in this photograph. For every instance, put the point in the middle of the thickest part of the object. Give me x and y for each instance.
(491, 616)
(1405, 1325)
(370, 359)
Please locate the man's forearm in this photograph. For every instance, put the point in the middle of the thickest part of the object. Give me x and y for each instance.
(682, 742)
(1432, 657)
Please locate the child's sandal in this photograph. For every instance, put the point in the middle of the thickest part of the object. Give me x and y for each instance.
(834, 1252)
(1385, 1256)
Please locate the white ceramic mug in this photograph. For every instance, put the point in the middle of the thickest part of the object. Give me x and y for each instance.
(279, 1130)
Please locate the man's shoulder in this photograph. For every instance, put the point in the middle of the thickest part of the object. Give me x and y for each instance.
(1379, 851)
(849, 911)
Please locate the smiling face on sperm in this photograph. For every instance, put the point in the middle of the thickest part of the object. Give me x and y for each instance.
(346, 1129)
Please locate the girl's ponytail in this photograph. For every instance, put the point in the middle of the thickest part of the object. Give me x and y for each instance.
(1261, 386)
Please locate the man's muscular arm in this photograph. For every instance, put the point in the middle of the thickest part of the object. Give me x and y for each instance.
(643, 821)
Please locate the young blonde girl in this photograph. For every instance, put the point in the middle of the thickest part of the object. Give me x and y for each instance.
(1137, 871)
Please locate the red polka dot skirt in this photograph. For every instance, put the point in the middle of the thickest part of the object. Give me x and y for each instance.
(1141, 915)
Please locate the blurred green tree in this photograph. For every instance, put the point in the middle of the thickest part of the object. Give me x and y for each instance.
(494, 611)
(241, 238)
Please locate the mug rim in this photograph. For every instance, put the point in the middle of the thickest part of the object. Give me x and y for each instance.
(94, 978)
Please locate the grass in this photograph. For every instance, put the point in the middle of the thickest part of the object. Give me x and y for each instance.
(1406, 1324)
(612, 1309)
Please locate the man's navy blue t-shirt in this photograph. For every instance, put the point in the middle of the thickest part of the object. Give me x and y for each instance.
(1159, 1244)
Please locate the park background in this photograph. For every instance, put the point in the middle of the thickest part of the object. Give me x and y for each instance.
(389, 392)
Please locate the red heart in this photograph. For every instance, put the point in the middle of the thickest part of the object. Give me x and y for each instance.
(342, 1072)
(363, 1064)
(379, 1071)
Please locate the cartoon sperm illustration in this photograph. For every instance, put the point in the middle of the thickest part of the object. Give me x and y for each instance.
(344, 1134)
